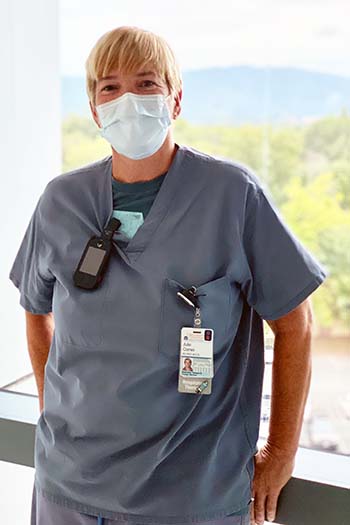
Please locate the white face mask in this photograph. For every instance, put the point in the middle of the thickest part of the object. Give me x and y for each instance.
(135, 125)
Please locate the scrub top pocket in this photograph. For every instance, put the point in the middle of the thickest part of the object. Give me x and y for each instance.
(175, 313)
(78, 313)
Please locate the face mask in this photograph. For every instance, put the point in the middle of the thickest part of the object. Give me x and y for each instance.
(135, 125)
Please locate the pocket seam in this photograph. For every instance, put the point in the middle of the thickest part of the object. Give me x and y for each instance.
(100, 310)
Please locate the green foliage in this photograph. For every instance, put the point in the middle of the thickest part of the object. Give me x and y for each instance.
(306, 169)
(315, 215)
(82, 142)
(330, 137)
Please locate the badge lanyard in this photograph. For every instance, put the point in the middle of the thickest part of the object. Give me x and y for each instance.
(199, 341)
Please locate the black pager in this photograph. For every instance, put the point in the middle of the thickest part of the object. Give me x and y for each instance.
(93, 262)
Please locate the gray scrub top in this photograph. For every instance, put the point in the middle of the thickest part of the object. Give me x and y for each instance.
(116, 438)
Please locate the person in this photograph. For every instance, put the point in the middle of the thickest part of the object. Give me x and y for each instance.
(187, 365)
(120, 437)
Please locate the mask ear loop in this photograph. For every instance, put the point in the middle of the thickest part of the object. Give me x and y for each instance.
(175, 114)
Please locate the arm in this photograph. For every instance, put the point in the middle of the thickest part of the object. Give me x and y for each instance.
(39, 329)
(291, 376)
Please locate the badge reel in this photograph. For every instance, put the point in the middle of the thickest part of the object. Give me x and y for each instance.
(93, 262)
(196, 365)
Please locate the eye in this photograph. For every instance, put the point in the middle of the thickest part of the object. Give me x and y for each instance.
(109, 86)
(151, 81)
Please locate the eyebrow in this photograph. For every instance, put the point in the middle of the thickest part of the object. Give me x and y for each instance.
(142, 74)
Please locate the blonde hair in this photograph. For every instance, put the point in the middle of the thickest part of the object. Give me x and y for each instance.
(127, 49)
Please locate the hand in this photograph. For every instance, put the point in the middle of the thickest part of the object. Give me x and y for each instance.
(273, 468)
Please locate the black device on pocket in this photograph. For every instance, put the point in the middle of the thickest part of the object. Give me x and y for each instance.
(93, 262)
(189, 296)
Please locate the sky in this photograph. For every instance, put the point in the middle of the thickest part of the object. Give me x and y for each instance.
(309, 34)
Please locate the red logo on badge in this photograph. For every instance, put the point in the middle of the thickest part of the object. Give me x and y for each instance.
(207, 335)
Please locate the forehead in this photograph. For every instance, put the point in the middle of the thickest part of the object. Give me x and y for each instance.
(115, 75)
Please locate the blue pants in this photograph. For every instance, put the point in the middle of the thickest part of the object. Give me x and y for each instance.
(45, 512)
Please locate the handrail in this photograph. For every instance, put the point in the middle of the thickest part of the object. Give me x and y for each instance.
(317, 493)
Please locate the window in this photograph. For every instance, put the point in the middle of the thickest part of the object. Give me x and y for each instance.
(255, 93)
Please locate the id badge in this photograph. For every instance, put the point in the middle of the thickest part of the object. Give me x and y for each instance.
(196, 364)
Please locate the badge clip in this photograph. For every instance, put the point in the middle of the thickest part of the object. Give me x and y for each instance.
(189, 296)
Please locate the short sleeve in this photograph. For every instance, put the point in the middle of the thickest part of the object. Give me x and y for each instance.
(30, 272)
(279, 272)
